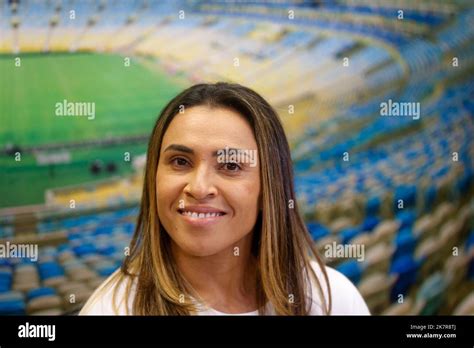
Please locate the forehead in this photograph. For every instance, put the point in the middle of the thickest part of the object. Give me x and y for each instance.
(210, 127)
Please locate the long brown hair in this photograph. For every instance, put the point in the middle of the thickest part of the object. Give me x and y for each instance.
(281, 242)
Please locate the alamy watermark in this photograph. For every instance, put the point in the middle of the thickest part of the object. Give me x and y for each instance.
(24, 251)
(230, 155)
(28, 330)
(67, 108)
(351, 251)
(405, 109)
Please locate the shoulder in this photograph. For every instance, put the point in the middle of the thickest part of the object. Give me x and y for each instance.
(346, 299)
(101, 301)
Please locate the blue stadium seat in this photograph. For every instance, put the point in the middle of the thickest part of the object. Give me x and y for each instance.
(370, 223)
(5, 279)
(405, 243)
(12, 303)
(45, 291)
(406, 218)
(372, 206)
(348, 233)
(351, 269)
(406, 269)
(407, 193)
(49, 270)
(317, 230)
(85, 249)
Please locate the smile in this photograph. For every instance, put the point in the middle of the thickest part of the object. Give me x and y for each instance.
(201, 216)
(196, 215)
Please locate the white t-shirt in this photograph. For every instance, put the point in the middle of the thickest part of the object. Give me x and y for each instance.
(346, 299)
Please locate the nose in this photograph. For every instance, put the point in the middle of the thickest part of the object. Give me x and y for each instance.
(200, 184)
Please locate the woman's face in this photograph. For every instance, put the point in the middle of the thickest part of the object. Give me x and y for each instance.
(207, 194)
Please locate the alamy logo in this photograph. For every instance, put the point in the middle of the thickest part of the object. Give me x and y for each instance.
(11, 250)
(352, 251)
(229, 155)
(392, 108)
(42, 331)
(66, 108)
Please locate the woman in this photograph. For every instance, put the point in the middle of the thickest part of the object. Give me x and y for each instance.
(219, 230)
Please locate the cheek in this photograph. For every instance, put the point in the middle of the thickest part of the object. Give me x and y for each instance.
(167, 189)
(245, 197)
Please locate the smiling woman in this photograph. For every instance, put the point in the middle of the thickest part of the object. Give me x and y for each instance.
(216, 234)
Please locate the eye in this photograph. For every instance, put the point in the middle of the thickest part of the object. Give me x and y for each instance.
(231, 167)
(179, 162)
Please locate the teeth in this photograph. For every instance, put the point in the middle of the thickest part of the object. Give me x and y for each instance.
(195, 215)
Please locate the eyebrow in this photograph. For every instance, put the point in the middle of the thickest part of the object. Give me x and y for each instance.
(185, 149)
(180, 148)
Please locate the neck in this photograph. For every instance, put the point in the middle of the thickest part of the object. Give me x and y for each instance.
(224, 281)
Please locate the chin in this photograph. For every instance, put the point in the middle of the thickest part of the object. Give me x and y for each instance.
(199, 248)
(202, 252)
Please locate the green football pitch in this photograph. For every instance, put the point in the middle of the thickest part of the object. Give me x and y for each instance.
(127, 100)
